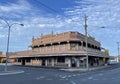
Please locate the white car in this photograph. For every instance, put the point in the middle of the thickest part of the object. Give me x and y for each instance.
(112, 62)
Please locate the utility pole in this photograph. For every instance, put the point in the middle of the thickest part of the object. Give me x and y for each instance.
(86, 40)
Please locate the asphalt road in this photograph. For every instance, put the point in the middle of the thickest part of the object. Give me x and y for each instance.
(32, 75)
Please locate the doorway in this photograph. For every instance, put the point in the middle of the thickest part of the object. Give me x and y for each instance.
(73, 62)
(23, 62)
(43, 62)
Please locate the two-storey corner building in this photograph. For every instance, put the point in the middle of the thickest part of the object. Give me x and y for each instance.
(63, 50)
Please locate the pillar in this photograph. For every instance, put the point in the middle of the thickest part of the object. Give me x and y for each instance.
(78, 62)
(46, 62)
(69, 62)
(53, 62)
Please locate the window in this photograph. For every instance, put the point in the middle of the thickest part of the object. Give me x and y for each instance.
(27, 60)
(49, 48)
(57, 47)
(19, 60)
(63, 46)
(61, 59)
(73, 46)
(50, 60)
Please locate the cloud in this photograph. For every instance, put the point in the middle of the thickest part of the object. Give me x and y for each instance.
(100, 13)
(1, 36)
(21, 5)
(16, 10)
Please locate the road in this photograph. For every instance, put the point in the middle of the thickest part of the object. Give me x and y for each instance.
(54, 76)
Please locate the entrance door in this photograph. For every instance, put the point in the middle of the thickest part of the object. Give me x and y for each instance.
(43, 62)
(73, 62)
(23, 62)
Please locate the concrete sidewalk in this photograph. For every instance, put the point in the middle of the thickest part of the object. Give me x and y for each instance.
(11, 72)
(84, 69)
(8, 72)
(7, 64)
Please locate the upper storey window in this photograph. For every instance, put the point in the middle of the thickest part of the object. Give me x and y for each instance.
(73, 46)
(57, 47)
(64, 46)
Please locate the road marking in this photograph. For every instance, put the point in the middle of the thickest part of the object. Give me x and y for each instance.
(72, 82)
(90, 77)
(63, 77)
(100, 74)
(69, 76)
(41, 77)
(74, 75)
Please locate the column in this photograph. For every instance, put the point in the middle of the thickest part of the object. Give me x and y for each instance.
(78, 62)
(46, 62)
(53, 62)
(69, 62)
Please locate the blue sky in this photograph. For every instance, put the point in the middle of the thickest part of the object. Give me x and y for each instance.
(43, 16)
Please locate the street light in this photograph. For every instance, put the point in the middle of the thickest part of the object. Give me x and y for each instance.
(9, 27)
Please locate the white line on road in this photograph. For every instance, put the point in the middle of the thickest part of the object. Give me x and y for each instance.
(72, 82)
(41, 77)
(90, 77)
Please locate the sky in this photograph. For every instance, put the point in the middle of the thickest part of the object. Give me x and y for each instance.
(45, 16)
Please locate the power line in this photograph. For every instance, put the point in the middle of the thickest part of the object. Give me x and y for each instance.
(41, 3)
(50, 8)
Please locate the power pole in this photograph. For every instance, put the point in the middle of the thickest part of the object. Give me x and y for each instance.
(86, 40)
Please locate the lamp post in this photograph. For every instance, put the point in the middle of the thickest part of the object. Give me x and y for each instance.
(8, 38)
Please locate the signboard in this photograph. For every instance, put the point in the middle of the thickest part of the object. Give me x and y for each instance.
(107, 52)
(104, 59)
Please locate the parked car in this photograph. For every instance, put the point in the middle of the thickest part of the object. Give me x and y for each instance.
(112, 62)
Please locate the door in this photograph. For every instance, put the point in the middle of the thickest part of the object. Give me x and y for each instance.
(73, 62)
(43, 62)
(23, 62)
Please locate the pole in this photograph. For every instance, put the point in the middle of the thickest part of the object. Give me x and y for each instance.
(86, 40)
(7, 48)
(9, 27)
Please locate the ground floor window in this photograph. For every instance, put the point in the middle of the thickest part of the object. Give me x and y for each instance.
(60, 59)
(27, 60)
(19, 60)
(49, 60)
